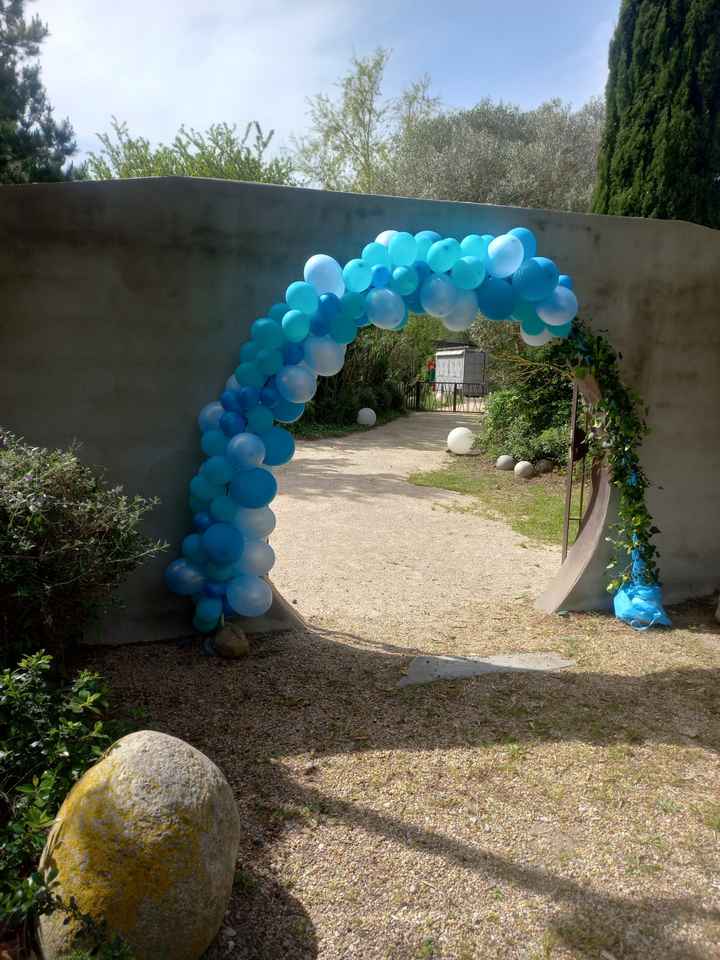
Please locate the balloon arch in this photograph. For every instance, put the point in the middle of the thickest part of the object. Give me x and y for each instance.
(226, 558)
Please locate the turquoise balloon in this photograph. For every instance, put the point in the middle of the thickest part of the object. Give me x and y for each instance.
(267, 333)
(525, 313)
(565, 281)
(208, 610)
(285, 411)
(468, 273)
(443, 255)
(279, 446)
(296, 325)
(249, 375)
(196, 505)
(253, 488)
(269, 361)
(424, 240)
(343, 329)
(402, 249)
(476, 246)
(277, 311)
(220, 571)
(223, 509)
(303, 297)
(352, 305)
(259, 419)
(496, 298)
(217, 471)
(213, 443)
(357, 275)
(527, 239)
(249, 351)
(561, 330)
(376, 254)
(203, 489)
(404, 280)
(535, 279)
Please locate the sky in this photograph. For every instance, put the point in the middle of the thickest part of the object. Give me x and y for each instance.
(157, 64)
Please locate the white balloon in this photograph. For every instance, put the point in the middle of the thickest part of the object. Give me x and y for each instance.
(385, 237)
(324, 356)
(325, 274)
(255, 523)
(464, 311)
(257, 558)
(460, 440)
(505, 254)
(367, 417)
(536, 339)
(560, 307)
(296, 383)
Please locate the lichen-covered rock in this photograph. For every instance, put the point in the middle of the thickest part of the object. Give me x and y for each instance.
(231, 642)
(147, 840)
(524, 470)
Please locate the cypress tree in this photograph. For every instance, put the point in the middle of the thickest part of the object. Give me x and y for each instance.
(660, 152)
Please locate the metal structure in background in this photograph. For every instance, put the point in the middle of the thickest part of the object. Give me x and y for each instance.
(450, 397)
(577, 453)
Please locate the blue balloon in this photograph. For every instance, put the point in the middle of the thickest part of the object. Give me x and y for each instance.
(357, 275)
(209, 609)
(184, 578)
(232, 423)
(329, 306)
(253, 488)
(277, 311)
(438, 295)
(279, 446)
(202, 520)
(249, 596)
(287, 412)
(213, 442)
(230, 401)
(303, 297)
(216, 588)
(192, 549)
(320, 325)
(443, 255)
(380, 276)
(404, 280)
(221, 572)
(223, 543)
(259, 419)
(269, 361)
(527, 239)
(376, 253)
(424, 239)
(209, 416)
(269, 395)
(196, 504)
(267, 333)
(535, 279)
(565, 281)
(249, 375)
(245, 451)
(248, 351)
(496, 298)
(293, 353)
(249, 397)
(216, 471)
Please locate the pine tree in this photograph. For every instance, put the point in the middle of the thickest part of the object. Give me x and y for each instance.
(660, 155)
(33, 147)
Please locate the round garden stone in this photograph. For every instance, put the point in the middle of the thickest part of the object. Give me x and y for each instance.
(505, 462)
(544, 466)
(146, 840)
(524, 469)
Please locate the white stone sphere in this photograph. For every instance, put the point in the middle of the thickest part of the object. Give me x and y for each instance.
(367, 417)
(524, 470)
(460, 440)
(505, 462)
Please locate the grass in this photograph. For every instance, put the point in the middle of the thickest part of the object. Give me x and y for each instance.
(533, 508)
(323, 431)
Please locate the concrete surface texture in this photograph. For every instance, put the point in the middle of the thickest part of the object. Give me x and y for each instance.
(125, 303)
(430, 669)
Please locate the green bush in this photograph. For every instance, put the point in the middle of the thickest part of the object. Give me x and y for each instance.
(509, 427)
(49, 735)
(67, 541)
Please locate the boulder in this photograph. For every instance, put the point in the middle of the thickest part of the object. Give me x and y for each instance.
(146, 840)
(505, 462)
(231, 642)
(544, 466)
(524, 469)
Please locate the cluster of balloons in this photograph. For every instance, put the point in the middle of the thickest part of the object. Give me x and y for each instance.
(226, 558)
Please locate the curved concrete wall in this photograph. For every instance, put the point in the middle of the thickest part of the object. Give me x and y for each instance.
(124, 303)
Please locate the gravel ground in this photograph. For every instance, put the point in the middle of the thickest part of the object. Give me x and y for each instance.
(518, 817)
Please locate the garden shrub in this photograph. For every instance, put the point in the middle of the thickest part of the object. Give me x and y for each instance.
(509, 428)
(67, 541)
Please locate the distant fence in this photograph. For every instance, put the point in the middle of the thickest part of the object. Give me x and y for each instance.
(454, 397)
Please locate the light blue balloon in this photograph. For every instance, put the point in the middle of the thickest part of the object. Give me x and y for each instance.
(223, 543)
(285, 411)
(216, 471)
(267, 333)
(202, 489)
(296, 325)
(213, 443)
(357, 275)
(527, 239)
(259, 419)
(184, 578)
(257, 558)
(438, 295)
(279, 446)
(475, 245)
(504, 256)
(385, 309)
(496, 298)
(463, 313)
(303, 297)
(424, 240)
(565, 281)
(253, 488)
(402, 249)
(192, 549)
(325, 274)
(295, 383)
(255, 524)
(376, 254)
(560, 307)
(535, 279)
(468, 273)
(223, 509)
(249, 596)
(404, 281)
(249, 375)
(444, 254)
(209, 416)
(248, 352)
(245, 451)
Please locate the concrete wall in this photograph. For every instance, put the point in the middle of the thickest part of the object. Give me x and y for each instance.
(124, 305)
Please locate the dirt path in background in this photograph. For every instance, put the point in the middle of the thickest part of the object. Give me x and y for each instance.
(360, 548)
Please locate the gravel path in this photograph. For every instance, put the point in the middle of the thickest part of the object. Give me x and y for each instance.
(358, 547)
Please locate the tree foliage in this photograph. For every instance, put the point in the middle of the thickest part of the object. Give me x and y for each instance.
(33, 146)
(660, 154)
(219, 152)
